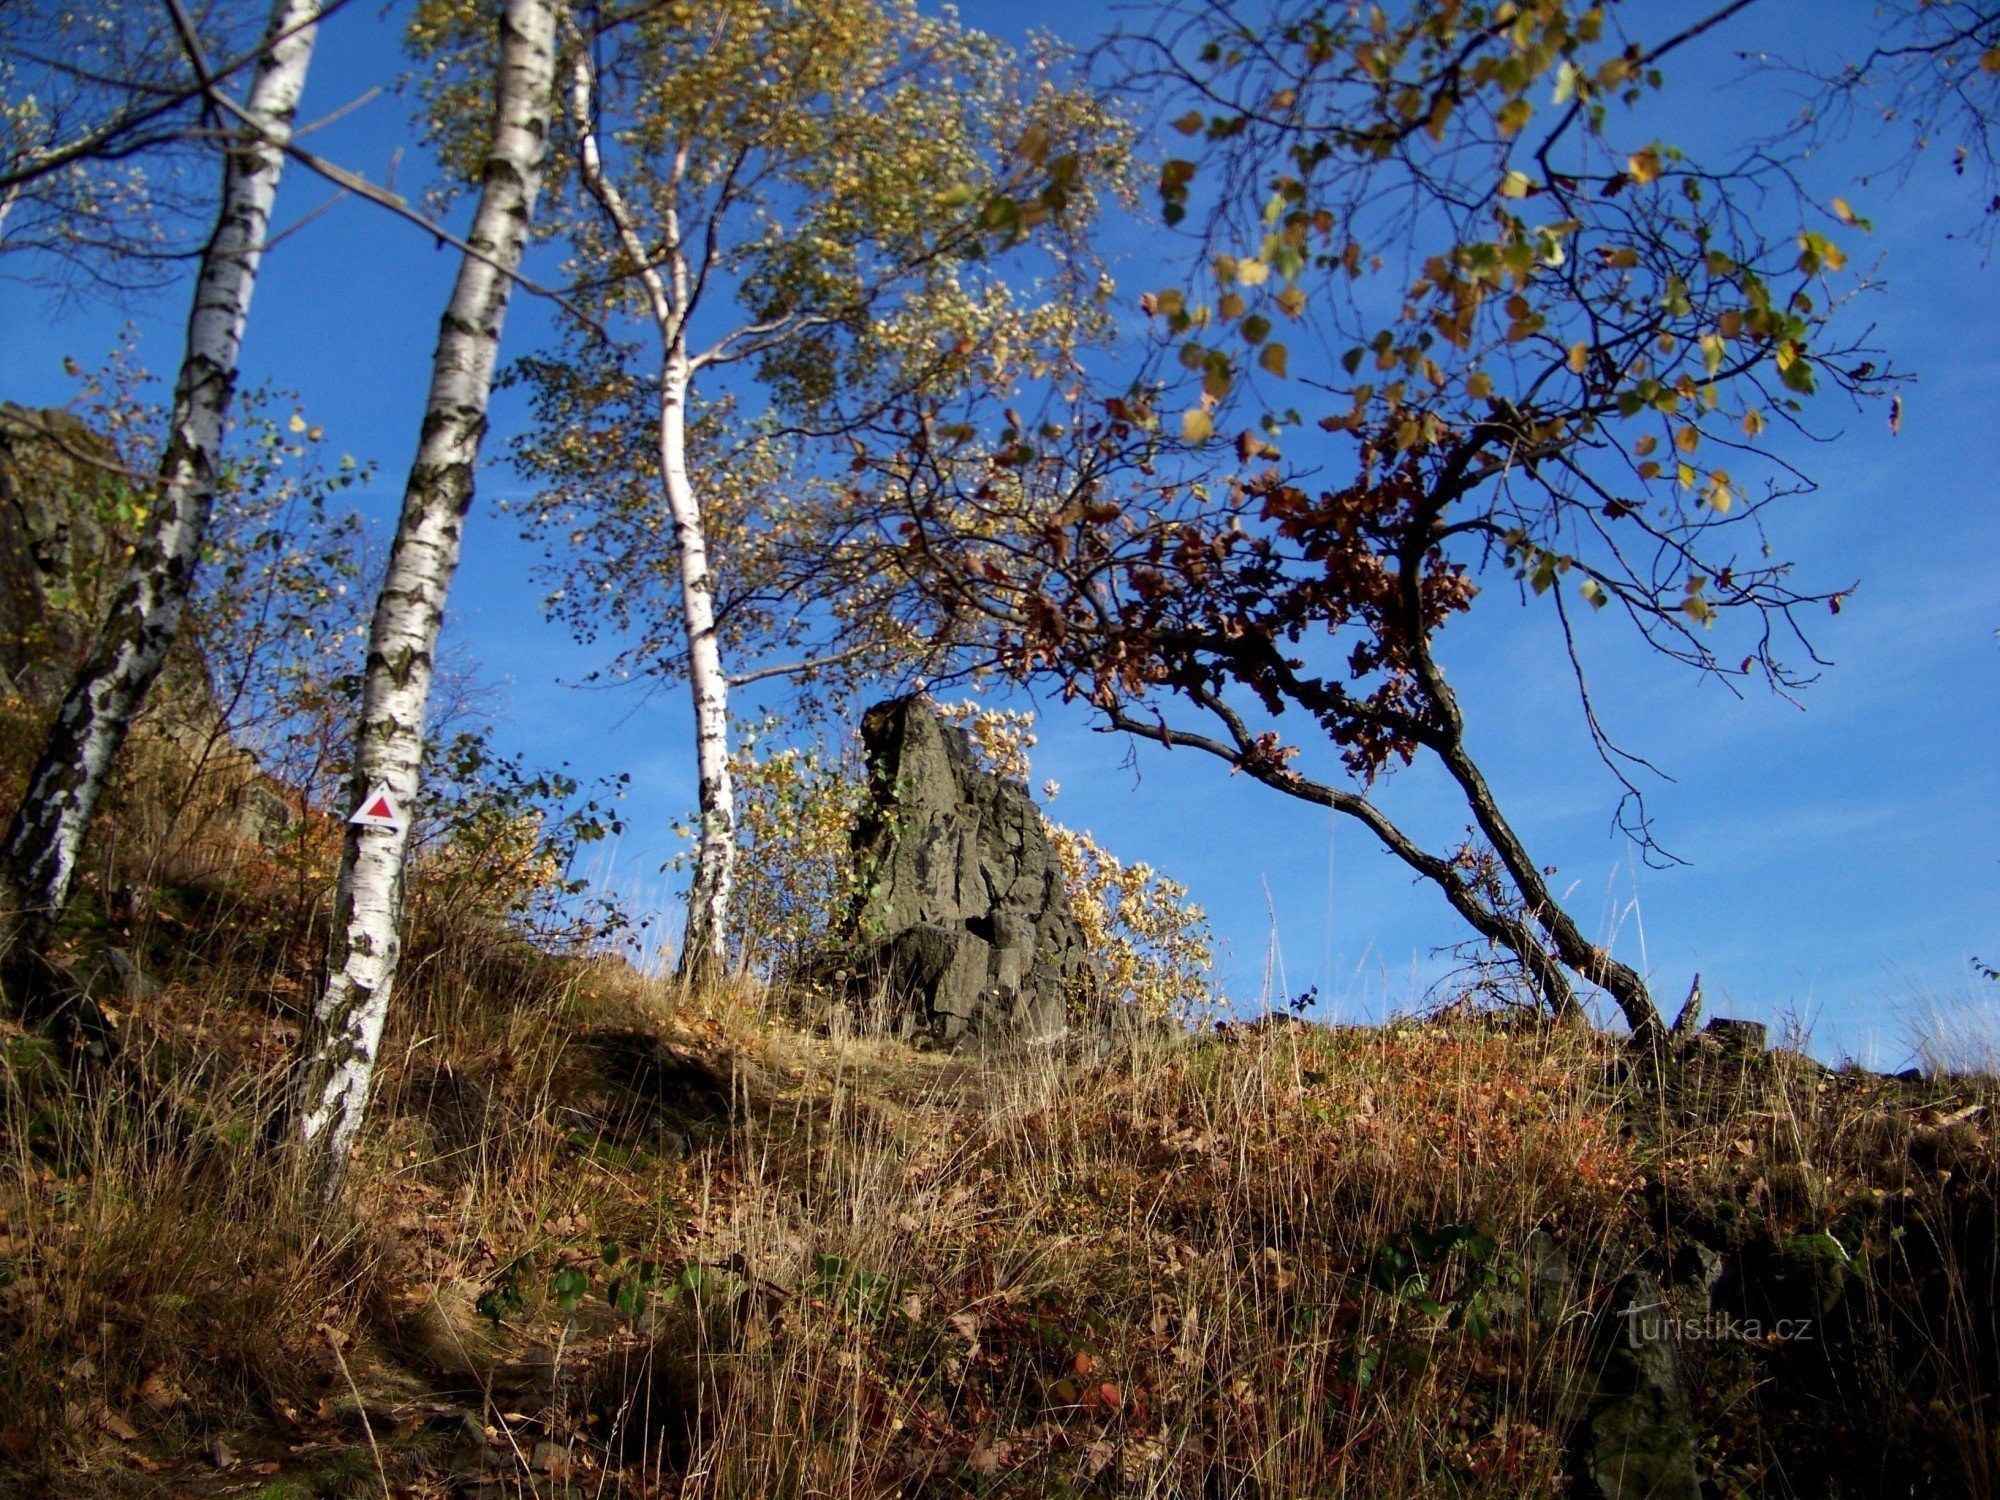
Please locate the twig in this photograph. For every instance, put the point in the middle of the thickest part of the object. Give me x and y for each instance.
(360, 1407)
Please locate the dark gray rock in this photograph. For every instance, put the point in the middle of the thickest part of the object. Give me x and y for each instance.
(1548, 1281)
(56, 550)
(1639, 1440)
(263, 817)
(1739, 1038)
(964, 926)
(137, 984)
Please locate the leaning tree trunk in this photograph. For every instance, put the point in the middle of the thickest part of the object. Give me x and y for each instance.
(39, 858)
(337, 1052)
(705, 947)
(1581, 956)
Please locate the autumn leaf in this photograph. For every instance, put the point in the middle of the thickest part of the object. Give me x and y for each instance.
(1644, 166)
(1197, 426)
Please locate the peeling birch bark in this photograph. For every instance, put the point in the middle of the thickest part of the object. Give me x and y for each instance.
(39, 857)
(337, 1053)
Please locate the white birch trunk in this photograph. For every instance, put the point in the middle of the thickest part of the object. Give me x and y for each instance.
(338, 1050)
(38, 860)
(705, 945)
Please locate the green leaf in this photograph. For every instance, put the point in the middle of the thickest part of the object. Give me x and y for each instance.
(1273, 359)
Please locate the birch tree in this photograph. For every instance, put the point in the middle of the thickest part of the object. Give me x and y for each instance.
(338, 1048)
(789, 195)
(39, 857)
(106, 149)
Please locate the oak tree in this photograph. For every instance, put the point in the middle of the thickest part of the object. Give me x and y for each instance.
(1452, 326)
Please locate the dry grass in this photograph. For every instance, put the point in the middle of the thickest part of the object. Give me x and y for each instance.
(613, 1237)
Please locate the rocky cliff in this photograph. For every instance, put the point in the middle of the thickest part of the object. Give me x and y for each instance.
(964, 925)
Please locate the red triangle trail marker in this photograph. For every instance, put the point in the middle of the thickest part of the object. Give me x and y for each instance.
(377, 810)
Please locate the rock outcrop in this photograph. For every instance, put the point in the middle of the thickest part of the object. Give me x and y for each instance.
(57, 554)
(1639, 1440)
(964, 927)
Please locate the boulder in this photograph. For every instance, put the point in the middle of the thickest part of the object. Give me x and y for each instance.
(964, 927)
(1639, 1438)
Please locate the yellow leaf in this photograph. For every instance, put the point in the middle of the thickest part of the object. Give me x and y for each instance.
(1197, 426)
(1579, 357)
(298, 423)
(1687, 439)
(1753, 422)
(1515, 185)
(1252, 272)
(1479, 385)
(1842, 212)
(1644, 165)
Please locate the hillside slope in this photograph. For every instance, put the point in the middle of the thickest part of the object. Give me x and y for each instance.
(607, 1238)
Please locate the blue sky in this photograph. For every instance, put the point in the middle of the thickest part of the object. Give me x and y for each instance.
(1843, 856)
